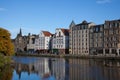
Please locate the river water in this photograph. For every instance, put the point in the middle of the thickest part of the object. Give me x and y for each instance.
(41, 68)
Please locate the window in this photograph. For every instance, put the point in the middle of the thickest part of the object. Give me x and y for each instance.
(97, 29)
(117, 31)
(100, 34)
(85, 26)
(111, 32)
(59, 34)
(91, 30)
(105, 26)
(101, 28)
(114, 38)
(118, 25)
(114, 25)
(110, 25)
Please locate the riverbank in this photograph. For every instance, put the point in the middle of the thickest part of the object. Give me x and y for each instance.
(71, 56)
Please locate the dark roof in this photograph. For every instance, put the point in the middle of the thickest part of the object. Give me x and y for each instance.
(97, 25)
(65, 32)
(112, 20)
(83, 23)
(72, 23)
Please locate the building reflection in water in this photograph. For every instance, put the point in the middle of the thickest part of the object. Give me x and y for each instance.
(43, 67)
(70, 69)
(79, 69)
(108, 69)
(39, 67)
(58, 68)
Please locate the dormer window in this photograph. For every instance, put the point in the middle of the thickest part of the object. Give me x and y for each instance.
(59, 34)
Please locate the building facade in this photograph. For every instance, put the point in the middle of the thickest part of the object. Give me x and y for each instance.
(79, 38)
(60, 41)
(70, 37)
(96, 39)
(112, 37)
(37, 44)
(31, 44)
(44, 41)
(20, 42)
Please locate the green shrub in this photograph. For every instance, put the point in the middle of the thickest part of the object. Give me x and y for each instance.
(4, 60)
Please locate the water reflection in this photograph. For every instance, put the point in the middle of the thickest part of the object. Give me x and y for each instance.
(6, 73)
(64, 69)
(45, 68)
(106, 69)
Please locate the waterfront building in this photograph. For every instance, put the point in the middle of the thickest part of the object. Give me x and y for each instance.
(79, 38)
(60, 41)
(31, 44)
(37, 44)
(112, 37)
(20, 42)
(70, 37)
(96, 39)
(44, 41)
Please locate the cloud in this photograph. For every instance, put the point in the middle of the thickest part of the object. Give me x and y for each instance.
(103, 1)
(3, 9)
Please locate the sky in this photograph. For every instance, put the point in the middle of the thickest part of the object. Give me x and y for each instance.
(32, 16)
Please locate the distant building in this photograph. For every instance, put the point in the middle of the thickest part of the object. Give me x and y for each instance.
(96, 39)
(70, 37)
(79, 38)
(20, 42)
(44, 41)
(60, 41)
(37, 44)
(112, 37)
(31, 44)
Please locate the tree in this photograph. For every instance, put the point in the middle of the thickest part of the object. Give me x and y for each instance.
(6, 46)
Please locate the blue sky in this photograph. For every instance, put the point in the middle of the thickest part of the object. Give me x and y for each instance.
(36, 15)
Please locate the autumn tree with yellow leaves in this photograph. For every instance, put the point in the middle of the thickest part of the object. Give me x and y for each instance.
(6, 46)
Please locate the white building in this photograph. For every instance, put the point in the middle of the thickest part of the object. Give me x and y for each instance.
(44, 41)
(60, 41)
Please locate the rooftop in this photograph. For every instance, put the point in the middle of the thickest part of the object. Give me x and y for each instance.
(46, 33)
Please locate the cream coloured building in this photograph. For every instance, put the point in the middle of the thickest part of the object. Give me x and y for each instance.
(31, 43)
(79, 38)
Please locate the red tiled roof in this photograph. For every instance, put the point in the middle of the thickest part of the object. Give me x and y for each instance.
(65, 32)
(46, 33)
